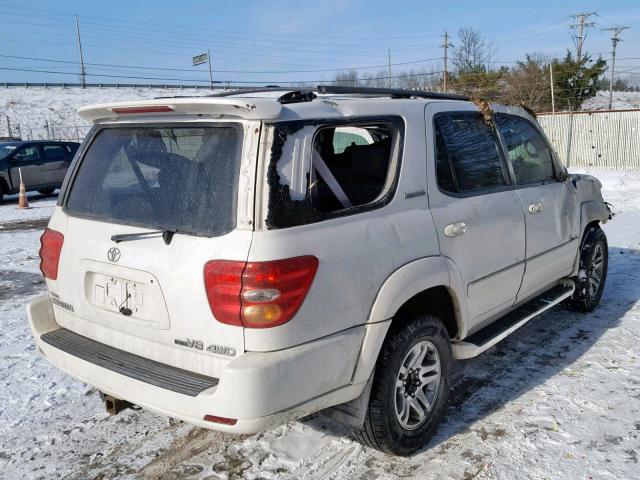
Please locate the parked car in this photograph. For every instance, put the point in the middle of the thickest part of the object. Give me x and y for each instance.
(43, 164)
(242, 260)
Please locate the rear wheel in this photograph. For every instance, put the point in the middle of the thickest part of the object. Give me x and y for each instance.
(46, 191)
(594, 260)
(410, 388)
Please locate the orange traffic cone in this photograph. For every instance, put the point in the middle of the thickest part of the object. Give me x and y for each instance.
(22, 197)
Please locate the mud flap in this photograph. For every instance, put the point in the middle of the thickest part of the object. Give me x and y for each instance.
(353, 413)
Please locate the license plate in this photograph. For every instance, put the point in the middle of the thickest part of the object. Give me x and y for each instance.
(119, 295)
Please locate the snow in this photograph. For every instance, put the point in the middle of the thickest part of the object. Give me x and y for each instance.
(560, 398)
(621, 101)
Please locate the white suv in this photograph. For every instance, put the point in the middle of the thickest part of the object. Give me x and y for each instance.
(241, 260)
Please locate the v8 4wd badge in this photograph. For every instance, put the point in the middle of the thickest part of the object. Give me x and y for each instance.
(199, 345)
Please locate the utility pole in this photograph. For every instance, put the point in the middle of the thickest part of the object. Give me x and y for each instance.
(445, 45)
(82, 72)
(553, 97)
(615, 38)
(581, 33)
(210, 72)
(389, 64)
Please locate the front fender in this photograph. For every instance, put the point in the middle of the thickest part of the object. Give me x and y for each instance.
(591, 211)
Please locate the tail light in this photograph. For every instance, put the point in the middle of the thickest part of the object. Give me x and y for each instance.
(50, 248)
(258, 294)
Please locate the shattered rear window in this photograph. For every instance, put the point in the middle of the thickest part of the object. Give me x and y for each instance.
(182, 178)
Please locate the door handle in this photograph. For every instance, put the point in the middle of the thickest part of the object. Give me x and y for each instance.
(455, 229)
(535, 207)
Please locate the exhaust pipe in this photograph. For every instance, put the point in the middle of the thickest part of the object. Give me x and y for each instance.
(115, 405)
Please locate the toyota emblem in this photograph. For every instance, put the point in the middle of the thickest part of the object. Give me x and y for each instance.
(113, 254)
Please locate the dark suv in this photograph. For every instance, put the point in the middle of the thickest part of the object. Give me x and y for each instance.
(43, 164)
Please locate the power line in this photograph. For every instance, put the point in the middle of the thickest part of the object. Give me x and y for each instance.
(369, 67)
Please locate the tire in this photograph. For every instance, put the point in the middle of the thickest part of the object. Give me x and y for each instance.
(46, 191)
(387, 426)
(594, 261)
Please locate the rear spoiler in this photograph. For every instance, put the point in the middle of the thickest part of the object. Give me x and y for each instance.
(245, 108)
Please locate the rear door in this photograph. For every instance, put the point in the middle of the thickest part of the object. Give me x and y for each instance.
(146, 295)
(28, 161)
(57, 160)
(478, 216)
(550, 204)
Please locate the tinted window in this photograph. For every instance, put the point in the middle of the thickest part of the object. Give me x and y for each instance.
(350, 165)
(181, 178)
(468, 145)
(6, 150)
(53, 152)
(531, 158)
(27, 154)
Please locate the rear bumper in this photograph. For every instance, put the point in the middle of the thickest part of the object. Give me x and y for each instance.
(259, 390)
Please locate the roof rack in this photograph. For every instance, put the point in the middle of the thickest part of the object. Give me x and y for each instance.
(292, 95)
(392, 92)
(297, 95)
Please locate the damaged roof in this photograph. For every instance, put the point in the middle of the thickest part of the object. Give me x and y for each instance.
(269, 103)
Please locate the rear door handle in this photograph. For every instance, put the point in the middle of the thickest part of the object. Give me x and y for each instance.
(535, 207)
(455, 229)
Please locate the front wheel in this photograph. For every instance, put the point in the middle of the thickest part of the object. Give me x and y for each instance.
(410, 387)
(594, 261)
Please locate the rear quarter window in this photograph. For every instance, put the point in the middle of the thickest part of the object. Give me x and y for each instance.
(321, 169)
(181, 178)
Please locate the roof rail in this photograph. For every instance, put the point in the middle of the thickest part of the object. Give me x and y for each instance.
(291, 95)
(392, 92)
(296, 95)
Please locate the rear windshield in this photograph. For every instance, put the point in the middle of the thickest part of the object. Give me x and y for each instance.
(174, 178)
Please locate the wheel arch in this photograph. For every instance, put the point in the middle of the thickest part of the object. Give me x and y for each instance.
(420, 287)
(592, 213)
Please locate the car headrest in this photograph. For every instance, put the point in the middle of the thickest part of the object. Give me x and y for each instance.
(370, 161)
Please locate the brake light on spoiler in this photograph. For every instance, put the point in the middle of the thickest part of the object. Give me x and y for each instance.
(143, 109)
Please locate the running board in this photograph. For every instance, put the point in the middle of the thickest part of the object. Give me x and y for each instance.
(491, 334)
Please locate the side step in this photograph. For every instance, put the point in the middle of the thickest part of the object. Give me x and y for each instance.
(501, 328)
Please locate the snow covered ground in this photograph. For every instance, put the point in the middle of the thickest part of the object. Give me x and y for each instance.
(621, 101)
(560, 398)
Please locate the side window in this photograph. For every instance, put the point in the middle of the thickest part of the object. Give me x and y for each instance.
(467, 154)
(27, 154)
(529, 154)
(55, 152)
(351, 165)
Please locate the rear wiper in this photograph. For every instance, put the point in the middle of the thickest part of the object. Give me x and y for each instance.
(167, 236)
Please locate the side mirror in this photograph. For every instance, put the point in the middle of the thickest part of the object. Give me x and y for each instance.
(564, 176)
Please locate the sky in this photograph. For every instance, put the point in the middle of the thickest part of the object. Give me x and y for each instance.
(259, 42)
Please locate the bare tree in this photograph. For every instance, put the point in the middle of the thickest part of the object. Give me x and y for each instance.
(424, 79)
(528, 83)
(347, 78)
(472, 52)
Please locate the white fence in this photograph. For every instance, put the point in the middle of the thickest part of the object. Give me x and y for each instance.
(608, 139)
